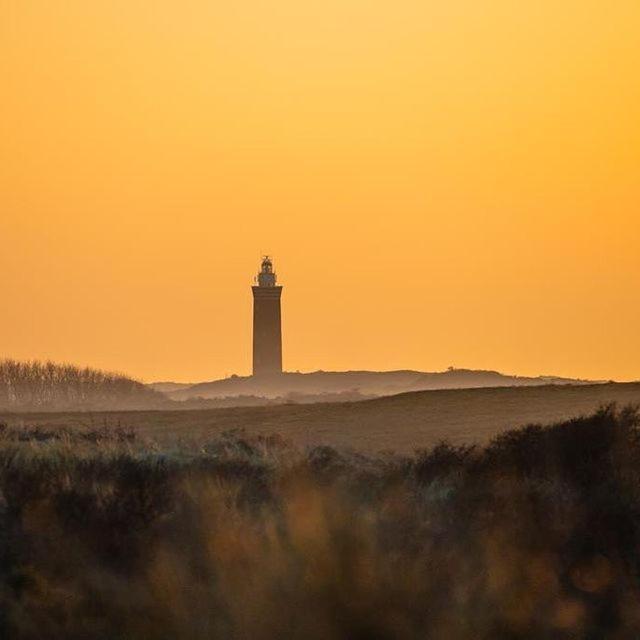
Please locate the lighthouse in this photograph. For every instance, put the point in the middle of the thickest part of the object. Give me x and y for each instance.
(267, 330)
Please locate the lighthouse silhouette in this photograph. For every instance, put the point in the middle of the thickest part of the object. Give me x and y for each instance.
(267, 329)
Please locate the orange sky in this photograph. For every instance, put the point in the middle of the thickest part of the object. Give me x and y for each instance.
(440, 183)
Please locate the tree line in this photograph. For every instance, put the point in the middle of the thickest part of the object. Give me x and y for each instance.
(49, 386)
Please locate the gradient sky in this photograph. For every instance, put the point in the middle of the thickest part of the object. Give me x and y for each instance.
(440, 183)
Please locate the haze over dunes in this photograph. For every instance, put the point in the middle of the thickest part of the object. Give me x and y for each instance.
(48, 386)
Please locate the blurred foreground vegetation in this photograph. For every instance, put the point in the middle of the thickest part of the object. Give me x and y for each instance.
(104, 535)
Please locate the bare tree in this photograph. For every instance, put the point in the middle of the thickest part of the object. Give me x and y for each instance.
(47, 386)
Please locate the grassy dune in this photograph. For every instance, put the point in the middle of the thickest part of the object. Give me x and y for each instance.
(400, 423)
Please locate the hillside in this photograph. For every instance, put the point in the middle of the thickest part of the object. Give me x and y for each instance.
(401, 423)
(365, 383)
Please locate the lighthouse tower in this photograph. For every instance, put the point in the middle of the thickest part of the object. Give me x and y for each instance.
(267, 331)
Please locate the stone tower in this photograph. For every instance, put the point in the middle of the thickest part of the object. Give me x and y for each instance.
(267, 331)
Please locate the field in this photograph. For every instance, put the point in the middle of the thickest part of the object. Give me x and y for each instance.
(400, 423)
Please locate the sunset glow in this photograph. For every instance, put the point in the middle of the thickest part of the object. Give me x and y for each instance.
(439, 183)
